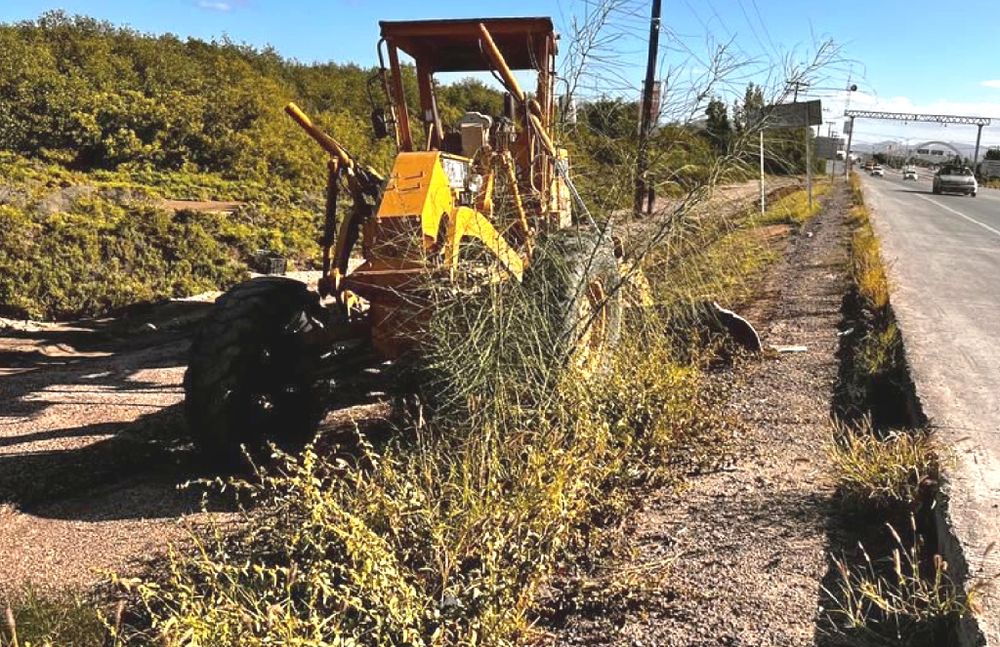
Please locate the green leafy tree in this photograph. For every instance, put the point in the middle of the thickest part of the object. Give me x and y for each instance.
(717, 127)
(753, 103)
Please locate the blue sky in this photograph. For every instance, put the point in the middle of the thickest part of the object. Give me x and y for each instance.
(919, 55)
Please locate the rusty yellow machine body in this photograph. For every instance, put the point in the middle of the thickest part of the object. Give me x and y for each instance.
(491, 181)
(467, 204)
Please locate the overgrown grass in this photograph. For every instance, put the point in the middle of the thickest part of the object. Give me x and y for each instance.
(445, 534)
(50, 619)
(901, 599)
(719, 261)
(906, 597)
(881, 470)
(874, 368)
(442, 537)
(793, 209)
(867, 269)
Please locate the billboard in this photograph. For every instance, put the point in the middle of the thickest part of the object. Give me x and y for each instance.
(792, 115)
(827, 147)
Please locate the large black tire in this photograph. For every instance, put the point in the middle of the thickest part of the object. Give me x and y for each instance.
(574, 274)
(248, 379)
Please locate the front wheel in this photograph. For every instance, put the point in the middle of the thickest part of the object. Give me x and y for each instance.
(248, 378)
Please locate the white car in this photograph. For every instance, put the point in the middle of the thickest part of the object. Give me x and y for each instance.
(910, 173)
(878, 171)
(955, 179)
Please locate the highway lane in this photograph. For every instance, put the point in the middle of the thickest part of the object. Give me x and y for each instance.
(944, 257)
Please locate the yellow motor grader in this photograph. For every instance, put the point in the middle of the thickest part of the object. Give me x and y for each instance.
(480, 198)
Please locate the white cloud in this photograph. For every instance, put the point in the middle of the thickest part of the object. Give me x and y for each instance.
(215, 5)
(994, 83)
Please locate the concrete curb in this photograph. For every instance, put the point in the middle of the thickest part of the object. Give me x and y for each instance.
(962, 518)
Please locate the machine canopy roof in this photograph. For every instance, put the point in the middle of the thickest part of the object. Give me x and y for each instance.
(453, 45)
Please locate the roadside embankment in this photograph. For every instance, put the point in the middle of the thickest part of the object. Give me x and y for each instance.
(935, 252)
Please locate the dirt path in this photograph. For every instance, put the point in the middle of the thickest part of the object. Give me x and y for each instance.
(737, 556)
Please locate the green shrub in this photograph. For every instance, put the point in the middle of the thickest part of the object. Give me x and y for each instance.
(882, 469)
(100, 255)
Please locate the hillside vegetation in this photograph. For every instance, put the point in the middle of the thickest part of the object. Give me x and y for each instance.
(102, 123)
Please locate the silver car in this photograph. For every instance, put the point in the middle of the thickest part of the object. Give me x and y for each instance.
(955, 179)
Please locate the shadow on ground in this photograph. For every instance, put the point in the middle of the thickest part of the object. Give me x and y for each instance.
(95, 371)
(94, 419)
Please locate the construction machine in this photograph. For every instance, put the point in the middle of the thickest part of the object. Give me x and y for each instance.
(465, 204)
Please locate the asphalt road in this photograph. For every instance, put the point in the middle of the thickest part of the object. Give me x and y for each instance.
(944, 256)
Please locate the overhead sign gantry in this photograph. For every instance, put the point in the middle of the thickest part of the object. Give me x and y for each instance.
(979, 122)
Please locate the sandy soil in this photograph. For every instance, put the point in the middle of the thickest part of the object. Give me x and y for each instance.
(737, 556)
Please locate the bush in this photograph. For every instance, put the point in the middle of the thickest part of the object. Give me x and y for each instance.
(881, 470)
(443, 536)
(99, 256)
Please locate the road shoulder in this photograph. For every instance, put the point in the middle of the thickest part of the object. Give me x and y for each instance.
(738, 555)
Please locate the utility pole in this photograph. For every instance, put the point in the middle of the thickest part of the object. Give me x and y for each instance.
(847, 154)
(797, 85)
(646, 118)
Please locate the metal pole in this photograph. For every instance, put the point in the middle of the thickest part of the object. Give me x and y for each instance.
(642, 161)
(762, 172)
(847, 155)
(979, 136)
(809, 172)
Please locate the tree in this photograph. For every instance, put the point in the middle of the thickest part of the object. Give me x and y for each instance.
(992, 154)
(753, 102)
(718, 128)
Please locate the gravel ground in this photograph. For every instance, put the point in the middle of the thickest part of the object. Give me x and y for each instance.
(89, 452)
(737, 556)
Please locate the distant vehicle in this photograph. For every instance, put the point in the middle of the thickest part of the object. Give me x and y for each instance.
(988, 169)
(909, 173)
(878, 171)
(955, 179)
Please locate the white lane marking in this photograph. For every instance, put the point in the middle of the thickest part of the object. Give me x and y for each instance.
(959, 213)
